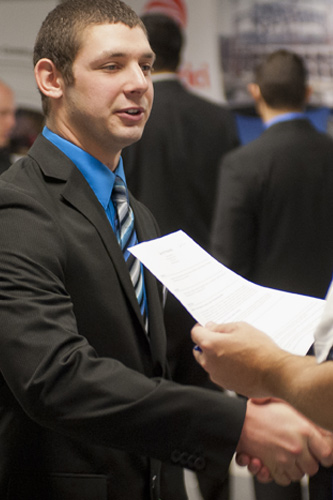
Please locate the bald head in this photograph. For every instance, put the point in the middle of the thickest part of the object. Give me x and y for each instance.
(7, 113)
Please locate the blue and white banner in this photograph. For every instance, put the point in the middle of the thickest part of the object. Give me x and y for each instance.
(249, 29)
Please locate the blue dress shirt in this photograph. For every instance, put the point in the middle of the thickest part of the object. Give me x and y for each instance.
(99, 177)
(297, 115)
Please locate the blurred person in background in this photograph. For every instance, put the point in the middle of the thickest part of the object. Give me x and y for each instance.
(7, 123)
(274, 209)
(29, 123)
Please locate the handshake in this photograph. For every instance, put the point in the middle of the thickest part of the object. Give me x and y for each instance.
(278, 443)
(282, 439)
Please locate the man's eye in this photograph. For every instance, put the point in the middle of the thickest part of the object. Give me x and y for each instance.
(111, 67)
(147, 68)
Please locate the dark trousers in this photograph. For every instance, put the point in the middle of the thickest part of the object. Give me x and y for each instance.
(320, 488)
(320, 485)
(273, 491)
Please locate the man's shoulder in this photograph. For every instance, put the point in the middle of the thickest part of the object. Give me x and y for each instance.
(249, 150)
(300, 134)
(188, 96)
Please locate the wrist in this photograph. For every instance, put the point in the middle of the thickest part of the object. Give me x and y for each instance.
(285, 375)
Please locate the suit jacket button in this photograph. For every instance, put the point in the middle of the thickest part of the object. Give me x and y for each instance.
(191, 461)
(175, 456)
(199, 463)
(184, 457)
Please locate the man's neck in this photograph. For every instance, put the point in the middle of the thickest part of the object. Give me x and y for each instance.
(267, 114)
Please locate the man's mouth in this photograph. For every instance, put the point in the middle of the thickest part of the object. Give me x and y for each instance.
(133, 111)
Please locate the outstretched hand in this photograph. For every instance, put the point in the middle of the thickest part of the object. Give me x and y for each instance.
(284, 441)
(237, 356)
(255, 467)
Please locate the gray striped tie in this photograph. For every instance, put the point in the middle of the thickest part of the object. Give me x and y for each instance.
(126, 236)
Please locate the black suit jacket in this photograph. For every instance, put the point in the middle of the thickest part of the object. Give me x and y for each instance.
(173, 168)
(5, 160)
(86, 410)
(274, 214)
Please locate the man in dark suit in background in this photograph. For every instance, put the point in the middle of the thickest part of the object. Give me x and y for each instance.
(274, 213)
(173, 170)
(7, 123)
(87, 408)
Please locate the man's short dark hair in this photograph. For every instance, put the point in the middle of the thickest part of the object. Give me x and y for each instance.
(282, 79)
(166, 39)
(60, 36)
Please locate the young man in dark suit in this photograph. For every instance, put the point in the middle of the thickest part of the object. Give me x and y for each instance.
(274, 209)
(87, 409)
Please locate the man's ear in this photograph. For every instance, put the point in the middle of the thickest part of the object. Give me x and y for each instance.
(49, 79)
(254, 91)
(308, 93)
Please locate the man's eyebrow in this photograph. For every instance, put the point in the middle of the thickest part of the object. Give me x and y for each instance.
(110, 55)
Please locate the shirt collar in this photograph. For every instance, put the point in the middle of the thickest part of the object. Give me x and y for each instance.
(284, 118)
(99, 177)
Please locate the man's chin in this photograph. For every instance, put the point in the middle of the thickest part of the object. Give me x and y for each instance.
(132, 139)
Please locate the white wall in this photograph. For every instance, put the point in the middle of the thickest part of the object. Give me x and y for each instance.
(207, 22)
(20, 21)
(201, 66)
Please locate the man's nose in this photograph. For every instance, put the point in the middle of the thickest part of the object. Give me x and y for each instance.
(137, 80)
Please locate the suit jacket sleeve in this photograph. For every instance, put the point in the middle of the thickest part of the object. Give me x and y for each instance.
(60, 380)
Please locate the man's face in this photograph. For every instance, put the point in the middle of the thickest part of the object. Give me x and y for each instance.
(108, 105)
(7, 115)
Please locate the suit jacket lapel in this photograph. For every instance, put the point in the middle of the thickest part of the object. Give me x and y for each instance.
(146, 227)
(77, 192)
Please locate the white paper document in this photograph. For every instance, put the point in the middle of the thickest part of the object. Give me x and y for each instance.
(211, 292)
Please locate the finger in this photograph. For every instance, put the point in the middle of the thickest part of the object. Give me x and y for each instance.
(264, 476)
(255, 466)
(200, 334)
(204, 339)
(221, 327)
(261, 401)
(197, 355)
(282, 479)
(327, 460)
(210, 333)
(295, 473)
(242, 459)
(321, 447)
(211, 326)
(303, 465)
